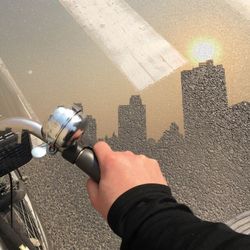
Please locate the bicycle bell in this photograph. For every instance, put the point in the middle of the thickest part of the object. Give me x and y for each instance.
(64, 127)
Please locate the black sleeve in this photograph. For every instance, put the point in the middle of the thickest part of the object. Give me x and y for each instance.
(148, 217)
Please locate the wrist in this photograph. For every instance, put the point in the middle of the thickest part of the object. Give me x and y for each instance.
(134, 198)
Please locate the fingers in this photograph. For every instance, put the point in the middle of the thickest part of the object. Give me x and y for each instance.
(102, 150)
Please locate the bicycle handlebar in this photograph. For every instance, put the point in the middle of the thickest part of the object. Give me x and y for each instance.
(20, 123)
(61, 132)
(85, 158)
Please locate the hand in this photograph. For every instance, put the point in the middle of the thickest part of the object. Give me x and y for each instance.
(120, 171)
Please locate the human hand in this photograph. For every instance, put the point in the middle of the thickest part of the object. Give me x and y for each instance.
(120, 171)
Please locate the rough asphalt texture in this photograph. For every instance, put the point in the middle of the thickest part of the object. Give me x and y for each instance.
(211, 174)
(58, 189)
(59, 192)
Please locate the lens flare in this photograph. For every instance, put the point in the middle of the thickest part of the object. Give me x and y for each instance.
(204, 49)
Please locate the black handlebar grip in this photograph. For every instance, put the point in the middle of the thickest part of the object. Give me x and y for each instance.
(88, 162)
(85, 158)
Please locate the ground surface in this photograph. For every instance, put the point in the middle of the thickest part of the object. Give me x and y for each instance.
(58, 189)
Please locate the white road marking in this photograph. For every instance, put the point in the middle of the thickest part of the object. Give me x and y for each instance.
(28, 110)
(242, 6)
(22, 100)
(127, 39)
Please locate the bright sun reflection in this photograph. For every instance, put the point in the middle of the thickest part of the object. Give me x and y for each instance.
(204, 49)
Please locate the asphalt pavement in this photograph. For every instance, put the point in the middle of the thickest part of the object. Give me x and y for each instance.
(58, 188)
(59, 191)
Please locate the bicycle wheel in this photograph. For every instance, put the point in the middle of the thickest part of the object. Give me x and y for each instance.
(27, 223)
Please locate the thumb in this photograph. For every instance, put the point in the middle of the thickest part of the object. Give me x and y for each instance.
(93, 190)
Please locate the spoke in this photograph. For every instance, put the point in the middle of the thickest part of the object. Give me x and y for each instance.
(31, 227)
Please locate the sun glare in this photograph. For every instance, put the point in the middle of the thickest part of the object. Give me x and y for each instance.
(204, 49)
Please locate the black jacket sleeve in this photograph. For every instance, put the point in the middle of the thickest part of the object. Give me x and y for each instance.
(148, 217)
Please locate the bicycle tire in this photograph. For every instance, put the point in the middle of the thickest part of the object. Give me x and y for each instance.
(28, 224)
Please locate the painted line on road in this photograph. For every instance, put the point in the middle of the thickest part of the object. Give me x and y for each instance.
(127, 39)
(25, 104)
(28, 110)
